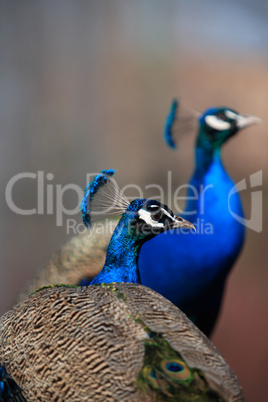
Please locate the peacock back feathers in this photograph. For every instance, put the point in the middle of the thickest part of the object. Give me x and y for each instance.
(110, 342)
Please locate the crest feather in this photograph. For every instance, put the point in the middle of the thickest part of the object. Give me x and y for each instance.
(180, 120)
(102, 197)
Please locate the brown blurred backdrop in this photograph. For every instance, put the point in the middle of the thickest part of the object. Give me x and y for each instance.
(87, 85)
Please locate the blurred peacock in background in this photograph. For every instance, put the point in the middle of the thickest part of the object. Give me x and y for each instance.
(196, 265)
(188, 269)
(111, 341)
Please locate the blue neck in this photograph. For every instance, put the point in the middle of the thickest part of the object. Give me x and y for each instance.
(211, 205)
(121, 264)
(205, 156)
(207, 177)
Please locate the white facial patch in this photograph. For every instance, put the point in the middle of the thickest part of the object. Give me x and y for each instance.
(216, 123)
(230, 115)
(146, 217)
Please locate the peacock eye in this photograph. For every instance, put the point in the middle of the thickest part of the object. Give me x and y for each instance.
(175, 367)
(156, 216)
(222, 116)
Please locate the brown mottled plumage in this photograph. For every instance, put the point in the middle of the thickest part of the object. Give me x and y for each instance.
(88, 343)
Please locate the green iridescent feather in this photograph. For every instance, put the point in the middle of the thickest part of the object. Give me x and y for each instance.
(167, 377)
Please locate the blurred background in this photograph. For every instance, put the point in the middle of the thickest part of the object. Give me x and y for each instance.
(87, 85)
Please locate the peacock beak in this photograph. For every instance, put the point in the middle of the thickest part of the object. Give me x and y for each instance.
(182, 223)
(246, 121)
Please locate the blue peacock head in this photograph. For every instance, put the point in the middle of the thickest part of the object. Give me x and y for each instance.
(147, 218)
(219, 124)
(144, 218)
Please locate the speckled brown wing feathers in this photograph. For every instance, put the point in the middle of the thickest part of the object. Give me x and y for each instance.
(86, 343)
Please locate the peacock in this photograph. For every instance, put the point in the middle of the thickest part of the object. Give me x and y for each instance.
(188, 269)
(115, 340)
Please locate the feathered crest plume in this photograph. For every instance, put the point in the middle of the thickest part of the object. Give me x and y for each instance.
(102, 197)
(180, 120)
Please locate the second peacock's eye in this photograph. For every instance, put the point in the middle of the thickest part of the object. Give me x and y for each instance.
(222, 116)
(156, 216)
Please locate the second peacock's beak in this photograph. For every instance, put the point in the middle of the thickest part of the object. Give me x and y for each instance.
(246, 121)
(182, 223)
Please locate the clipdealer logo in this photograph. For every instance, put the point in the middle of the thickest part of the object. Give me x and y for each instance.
(50, 200)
